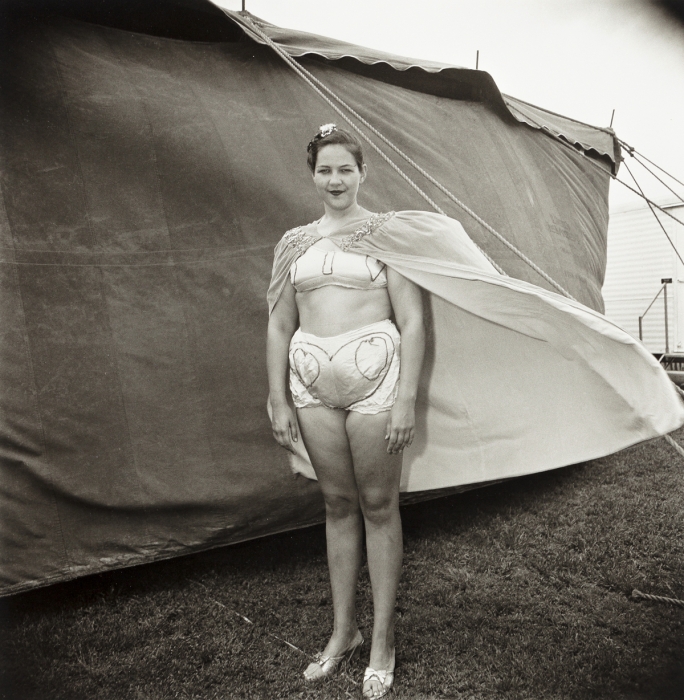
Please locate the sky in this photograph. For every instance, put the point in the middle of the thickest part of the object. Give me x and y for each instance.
(580, 58)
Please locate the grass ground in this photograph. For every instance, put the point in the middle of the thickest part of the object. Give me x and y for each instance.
(516, 591)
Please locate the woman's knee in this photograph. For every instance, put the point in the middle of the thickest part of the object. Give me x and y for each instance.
(341, 505)
(379, 507)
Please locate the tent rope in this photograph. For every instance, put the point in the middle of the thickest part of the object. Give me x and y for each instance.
(319, 87)
(596, 164)
(673, 443)
(660, 223)
(660, 180)
(657, 598)
(634, 153)
(650, 202)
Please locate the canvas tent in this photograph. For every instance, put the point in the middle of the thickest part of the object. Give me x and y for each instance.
(152, 158)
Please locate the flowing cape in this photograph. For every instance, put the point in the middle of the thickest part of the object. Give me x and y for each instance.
(516, 379)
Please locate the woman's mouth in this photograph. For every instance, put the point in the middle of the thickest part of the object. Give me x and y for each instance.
(336, 193)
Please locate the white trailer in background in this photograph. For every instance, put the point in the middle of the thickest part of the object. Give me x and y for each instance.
(640, 258)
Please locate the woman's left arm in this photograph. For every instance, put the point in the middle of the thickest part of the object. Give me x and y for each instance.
(407, 303)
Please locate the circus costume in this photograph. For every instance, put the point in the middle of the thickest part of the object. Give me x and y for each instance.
(516, 378)
(356, 371)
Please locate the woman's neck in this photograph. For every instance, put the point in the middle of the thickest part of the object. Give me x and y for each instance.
(334, 219)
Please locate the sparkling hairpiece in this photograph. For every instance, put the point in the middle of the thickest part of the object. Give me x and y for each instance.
(326, 129)
(323, 131)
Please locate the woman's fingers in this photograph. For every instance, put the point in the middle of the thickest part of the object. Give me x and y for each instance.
(283, 439)
(285, 430)
(392, 437)
(399, 438)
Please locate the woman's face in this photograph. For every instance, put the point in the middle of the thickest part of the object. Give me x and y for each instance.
(337, 177)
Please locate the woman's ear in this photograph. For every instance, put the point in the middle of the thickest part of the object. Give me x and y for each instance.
(364, 172)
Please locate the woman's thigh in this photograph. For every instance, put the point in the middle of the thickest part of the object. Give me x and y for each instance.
(377, 472)
(325, 437)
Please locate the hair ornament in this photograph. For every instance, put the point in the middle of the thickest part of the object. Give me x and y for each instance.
(323, 131)
(326, 129)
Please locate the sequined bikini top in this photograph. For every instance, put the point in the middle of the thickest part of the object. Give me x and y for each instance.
(319, 268)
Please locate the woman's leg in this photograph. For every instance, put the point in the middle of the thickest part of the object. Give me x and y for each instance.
(325, 437)
(377, 477)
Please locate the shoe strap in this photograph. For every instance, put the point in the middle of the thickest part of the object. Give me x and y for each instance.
(371, 674)
(322, 660)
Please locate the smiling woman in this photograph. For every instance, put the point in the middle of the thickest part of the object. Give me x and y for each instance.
(339, 170)
(373, 415)
(331, 332)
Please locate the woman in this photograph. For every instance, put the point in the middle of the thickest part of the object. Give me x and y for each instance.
(353, 376)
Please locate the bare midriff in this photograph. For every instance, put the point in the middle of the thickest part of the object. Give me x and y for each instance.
(332, 310)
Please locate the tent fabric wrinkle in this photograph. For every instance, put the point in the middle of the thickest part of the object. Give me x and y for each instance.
(146, 181)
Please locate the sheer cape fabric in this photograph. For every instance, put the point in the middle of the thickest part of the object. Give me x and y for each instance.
(516, 379)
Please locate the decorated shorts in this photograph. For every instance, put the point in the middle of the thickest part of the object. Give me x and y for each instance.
(356, 371)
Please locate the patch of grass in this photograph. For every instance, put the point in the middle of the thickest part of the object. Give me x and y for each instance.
(520, 590)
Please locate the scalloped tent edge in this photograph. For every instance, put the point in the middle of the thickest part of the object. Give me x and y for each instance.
(433, 77)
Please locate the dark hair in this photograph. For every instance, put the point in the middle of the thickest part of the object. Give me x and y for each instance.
(337, 136)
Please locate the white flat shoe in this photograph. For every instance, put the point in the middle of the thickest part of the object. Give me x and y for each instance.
(383, 676)
(323, 666)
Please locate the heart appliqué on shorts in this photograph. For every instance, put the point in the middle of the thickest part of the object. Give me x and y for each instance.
(306, 366)
(372, 357)
(350, 374)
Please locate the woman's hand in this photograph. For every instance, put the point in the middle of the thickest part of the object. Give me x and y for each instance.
(284, 425)
(281, 326)
(400, 426)
(407, 304)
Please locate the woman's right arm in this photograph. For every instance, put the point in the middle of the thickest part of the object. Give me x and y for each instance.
(281, 327)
